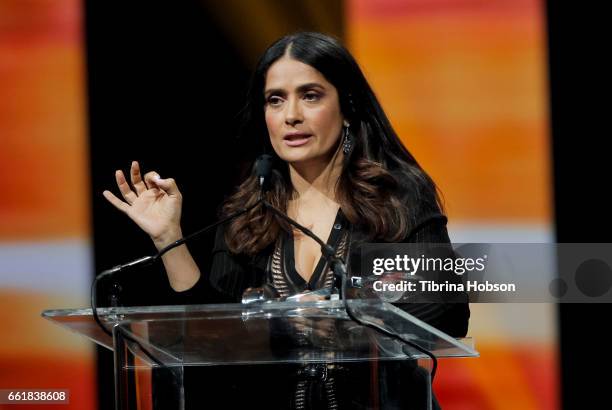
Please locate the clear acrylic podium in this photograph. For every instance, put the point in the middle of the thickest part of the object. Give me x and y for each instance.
(266, 355)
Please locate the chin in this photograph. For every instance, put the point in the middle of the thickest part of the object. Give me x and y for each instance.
(296, 157)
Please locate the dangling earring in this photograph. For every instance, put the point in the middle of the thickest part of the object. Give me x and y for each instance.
(347, 141)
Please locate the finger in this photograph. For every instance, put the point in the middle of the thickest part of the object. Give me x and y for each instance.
(137, 181)
(151, 179)
(118, 203)
(124, 188)
(168, 185)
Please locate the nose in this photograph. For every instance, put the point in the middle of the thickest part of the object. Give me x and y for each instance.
(293, 114)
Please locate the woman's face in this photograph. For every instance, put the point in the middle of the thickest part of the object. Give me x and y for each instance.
(302, 112)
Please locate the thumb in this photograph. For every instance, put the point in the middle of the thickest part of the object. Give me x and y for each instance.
(168, 185)
(151, 179)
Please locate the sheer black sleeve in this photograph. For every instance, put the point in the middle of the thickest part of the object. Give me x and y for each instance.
(232, 274)
(452, 317)
(429, 226)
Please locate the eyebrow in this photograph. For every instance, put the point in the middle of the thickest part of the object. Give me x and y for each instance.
(301, 88)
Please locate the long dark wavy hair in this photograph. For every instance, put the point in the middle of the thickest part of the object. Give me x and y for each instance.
(374, 173)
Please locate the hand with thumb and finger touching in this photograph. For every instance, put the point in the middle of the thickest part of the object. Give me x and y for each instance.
(153, 203)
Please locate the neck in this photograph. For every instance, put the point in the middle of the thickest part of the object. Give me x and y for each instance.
(316, 179)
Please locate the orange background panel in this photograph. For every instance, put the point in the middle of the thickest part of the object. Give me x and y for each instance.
(506, 376)
(43, 150)
(45, 185)
(59, 371)
(35, 353)
(464, 84)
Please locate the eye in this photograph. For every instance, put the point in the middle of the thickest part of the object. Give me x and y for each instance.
(312, 96)
(274, 100)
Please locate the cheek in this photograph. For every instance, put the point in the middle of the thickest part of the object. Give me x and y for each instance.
(272, 123)
(330, 123)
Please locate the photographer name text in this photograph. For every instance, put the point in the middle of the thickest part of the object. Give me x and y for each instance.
(432, 286)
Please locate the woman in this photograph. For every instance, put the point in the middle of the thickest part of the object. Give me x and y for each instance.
(341, 171)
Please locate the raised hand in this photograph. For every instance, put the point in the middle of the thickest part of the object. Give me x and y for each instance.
(154, 204)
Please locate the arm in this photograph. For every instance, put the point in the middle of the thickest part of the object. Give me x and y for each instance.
(450, 317)
(183, 273)
(229, 276)
(154, 204)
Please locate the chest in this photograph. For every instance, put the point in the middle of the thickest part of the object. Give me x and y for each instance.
(307, 252)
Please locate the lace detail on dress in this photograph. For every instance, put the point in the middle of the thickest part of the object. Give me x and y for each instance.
(279, 276)
(279, 281)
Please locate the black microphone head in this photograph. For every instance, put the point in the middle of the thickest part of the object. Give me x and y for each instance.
(263, 170)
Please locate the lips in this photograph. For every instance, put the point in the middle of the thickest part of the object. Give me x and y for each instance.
(297, 139)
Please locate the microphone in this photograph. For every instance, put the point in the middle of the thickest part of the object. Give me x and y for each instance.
(263, 170)
(327, 251)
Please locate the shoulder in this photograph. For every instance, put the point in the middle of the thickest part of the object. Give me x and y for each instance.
(222, 251)
(230, 274)
(417, 193)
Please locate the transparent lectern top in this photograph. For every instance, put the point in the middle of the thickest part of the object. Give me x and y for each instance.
(269, 332)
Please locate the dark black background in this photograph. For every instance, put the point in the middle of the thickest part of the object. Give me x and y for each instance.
(579, 88)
